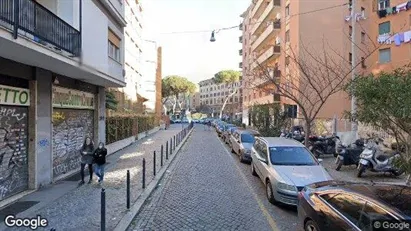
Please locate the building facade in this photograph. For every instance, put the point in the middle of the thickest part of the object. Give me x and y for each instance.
(55, 64)
(212, 97)
(275, 30)
(159, 74)
(148, 89)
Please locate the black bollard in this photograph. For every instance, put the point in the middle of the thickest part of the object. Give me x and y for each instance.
(174, 142)
(144, 173)
(154, 163)
(103, 210)
(167, 150)
(128, 189)
(162, 151)
(171, 146)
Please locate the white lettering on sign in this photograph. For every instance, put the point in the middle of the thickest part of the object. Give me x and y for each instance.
(68, 98)
(14, 96)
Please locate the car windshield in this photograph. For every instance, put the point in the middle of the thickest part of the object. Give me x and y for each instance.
(291, 156)
(247, 138)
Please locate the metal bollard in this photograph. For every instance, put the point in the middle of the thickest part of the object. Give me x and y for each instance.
(171, 146)
(162, 151)
(154, 163)
(128, 189)
(174, 142)
(167, 150)
(103, 210)
(144, 172)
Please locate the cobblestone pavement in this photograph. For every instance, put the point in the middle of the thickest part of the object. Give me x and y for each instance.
(80, 209)
(207, 189)
(349, 173)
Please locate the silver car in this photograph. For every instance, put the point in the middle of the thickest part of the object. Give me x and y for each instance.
(285, 166)
(242, 142)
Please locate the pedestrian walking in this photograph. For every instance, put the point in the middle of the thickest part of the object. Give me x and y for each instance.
(87, 159)
(100, 161)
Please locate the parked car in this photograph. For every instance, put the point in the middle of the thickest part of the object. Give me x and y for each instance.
(242, 142)
(285, 166)
(176, 121)
(340, 206)
(184, 120)
(225, 129)
(227, 134)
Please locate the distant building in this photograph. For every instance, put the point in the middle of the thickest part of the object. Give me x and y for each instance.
(159, 74)
(148, 88)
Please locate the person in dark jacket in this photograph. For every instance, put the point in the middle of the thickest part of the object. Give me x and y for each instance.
(87, 159)
(100, 160)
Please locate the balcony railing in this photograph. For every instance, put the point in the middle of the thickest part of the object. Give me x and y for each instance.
(44, 25)
(240, 52)
(240, 65)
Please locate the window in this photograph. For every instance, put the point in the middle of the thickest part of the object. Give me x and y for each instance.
(370, 213)
(287, 36)
(350, 58)
(362, 37)
(347, 205)
(287, 10)
(247, 138)
(385, 55)
(291, 156)
(350, 31)
(384, 27)
(383, 4)
(363, 11)
(114, 46)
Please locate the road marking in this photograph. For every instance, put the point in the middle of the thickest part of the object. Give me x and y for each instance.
(263, 209)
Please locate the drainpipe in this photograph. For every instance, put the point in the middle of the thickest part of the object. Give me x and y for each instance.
(81, 30)
(16, 18)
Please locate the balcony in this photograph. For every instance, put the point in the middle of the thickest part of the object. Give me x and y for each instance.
(271, 53)
(240, 65)
(45, 27)
(240, 39)
(240, 52)
(240, 27)
(267, 36)
(269, 14)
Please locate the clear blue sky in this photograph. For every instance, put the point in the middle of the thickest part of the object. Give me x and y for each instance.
(192, 55)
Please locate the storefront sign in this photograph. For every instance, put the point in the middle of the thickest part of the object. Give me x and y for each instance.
(14, 96)
(68, 98)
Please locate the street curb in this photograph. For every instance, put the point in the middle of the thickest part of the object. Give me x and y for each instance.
(136, 207)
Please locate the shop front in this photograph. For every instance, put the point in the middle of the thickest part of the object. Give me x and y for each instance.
(14, 110)
(73, 121)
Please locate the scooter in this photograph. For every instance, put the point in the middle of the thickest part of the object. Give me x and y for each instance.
(326, 145)
(348, 155)
(373, 159)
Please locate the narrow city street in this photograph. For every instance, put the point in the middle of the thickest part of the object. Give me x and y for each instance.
(207, 188)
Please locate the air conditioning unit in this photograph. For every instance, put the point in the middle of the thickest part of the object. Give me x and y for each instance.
(278, 16)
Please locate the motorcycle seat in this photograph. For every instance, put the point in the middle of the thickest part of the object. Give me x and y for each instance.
(382, 158)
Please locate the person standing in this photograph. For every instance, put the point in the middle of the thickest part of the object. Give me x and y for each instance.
(100, 160)
(87, 159)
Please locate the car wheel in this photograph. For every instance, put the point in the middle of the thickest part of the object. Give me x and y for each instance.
(310, 225)
(269, 192)
(240, 156)
(253, 170)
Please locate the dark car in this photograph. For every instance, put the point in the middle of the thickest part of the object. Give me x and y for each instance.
(338, 205)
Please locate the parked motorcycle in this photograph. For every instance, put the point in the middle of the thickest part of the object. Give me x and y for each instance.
(348, 155)
(324, 145)
(375, 160)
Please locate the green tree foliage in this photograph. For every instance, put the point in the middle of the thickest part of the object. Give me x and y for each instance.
(174, 86)
(384, 101)
(111, 101)
(230, 77)
(269, 119)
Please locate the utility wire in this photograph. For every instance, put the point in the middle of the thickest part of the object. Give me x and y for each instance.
(237, 26)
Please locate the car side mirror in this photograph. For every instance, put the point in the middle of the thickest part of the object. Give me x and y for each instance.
(320, 160)
(262, 160)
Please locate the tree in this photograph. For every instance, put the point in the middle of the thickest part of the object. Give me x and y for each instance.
(384, 101)
(111, 101)
(174, 86)
(228, 77)
(314, 76)
(269, 119)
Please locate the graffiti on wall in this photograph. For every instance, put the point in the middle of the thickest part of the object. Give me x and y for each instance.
(70, 127)
(13, 150)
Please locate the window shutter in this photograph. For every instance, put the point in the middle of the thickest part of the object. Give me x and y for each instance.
(114, 39)
(375, 5)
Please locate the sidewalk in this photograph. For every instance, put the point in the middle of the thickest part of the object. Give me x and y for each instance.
(69, 207)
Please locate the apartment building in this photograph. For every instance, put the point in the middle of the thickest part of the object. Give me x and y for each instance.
(159, 77)
(274, 30)
(57, 57)
(148, 89)
(213, 95)
(390, 29)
